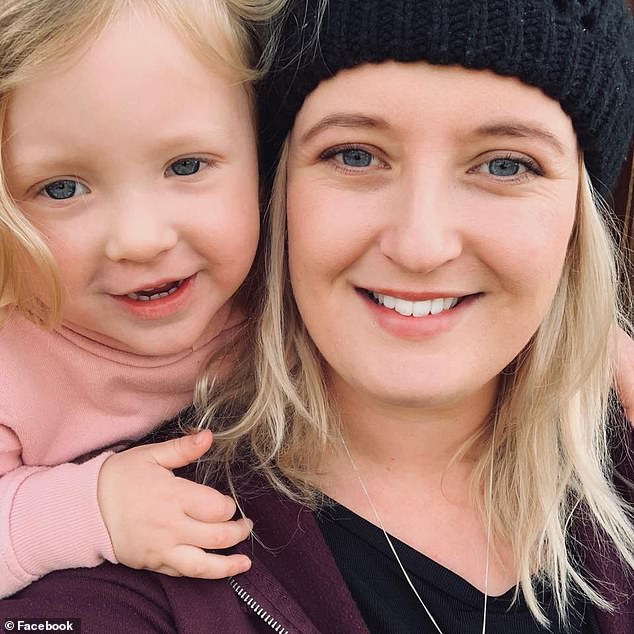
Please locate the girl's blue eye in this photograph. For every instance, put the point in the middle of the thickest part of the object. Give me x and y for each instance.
(355, 157)
(505, 167)
(63, 189)
(185, 166)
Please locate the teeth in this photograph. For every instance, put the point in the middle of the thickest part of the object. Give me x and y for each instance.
(420, 309)
(388, 302)
(146, 295)
(437, 305)
(403, 307)
(415, 309)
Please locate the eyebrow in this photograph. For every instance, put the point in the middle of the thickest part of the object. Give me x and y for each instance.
(522, 131)
(344, 120)
(513, 129)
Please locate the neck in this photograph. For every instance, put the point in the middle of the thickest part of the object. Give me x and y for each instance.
(421, 438)
(396, 467)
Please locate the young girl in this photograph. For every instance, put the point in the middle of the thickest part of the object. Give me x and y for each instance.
(128, 221)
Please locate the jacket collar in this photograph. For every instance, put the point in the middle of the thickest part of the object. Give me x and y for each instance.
(293, 571)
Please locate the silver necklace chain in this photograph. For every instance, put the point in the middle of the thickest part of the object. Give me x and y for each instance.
(398, 559)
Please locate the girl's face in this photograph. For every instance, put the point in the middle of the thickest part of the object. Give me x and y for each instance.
(137, 162)
(429, 213)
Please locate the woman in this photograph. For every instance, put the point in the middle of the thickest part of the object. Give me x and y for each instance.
(427, 446)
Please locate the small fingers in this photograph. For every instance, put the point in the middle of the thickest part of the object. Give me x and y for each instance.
(206, 504)
(189, 561)
(166, 570)
(218, 535)
(178, 452)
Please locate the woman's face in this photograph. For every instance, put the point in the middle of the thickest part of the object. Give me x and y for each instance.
(429, 213)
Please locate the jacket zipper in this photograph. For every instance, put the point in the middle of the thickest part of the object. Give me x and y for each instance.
(253, 605)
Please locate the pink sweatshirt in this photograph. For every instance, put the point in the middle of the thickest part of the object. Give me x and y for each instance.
(63, 395)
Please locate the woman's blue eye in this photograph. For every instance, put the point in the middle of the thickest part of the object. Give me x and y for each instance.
(355, 157)
(505, 167)
(509, 169)
(350, 159)
(64, 189)
(185, 166)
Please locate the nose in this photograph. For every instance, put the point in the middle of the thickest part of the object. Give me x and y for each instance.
(423, 230)
(141, 228)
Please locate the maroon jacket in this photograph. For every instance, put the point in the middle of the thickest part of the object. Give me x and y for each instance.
(293, 586)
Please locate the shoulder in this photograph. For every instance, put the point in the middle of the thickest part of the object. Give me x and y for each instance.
(100, 597)
(613, 578)
(113, 598)
(21, 345)
(25, 375)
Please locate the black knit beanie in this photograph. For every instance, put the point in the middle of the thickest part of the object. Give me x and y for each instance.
(579, 52)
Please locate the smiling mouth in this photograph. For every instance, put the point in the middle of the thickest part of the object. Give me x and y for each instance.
(152, 294)
(415, 309)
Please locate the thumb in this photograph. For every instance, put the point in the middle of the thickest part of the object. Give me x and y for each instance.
(179, 452)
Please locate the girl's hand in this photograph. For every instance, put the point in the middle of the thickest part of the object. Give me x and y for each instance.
(625, 373)
(163, 523)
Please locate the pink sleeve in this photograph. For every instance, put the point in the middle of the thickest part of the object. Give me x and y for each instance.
(50, 520)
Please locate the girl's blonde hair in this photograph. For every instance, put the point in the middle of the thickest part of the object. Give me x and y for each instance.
(551, 462)
(230, 34)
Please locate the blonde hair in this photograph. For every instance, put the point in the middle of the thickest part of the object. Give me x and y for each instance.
(551, 453)
(37, 33)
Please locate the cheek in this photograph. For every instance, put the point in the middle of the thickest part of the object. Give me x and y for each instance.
(531, 250)
(75, 250)
(240, 229)
(228, 230)
(327, 230)
(71, 236)
(231, 251)
(76, 268)
(304, 231)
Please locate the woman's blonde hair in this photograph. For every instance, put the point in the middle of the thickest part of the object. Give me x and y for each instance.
(551, 462)
(229, 34)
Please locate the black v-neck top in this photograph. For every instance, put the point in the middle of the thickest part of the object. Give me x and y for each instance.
(389, 606)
